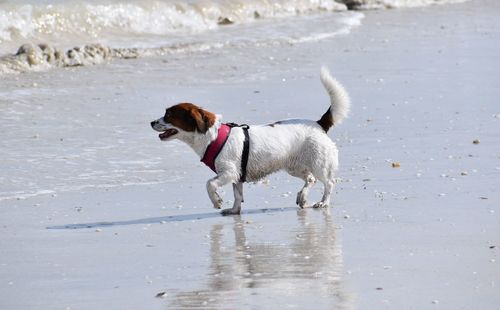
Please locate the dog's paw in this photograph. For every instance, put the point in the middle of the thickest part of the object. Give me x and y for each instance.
(301, 201)
(217, 201)
(320, 204)
(218, 204)
(230, 211)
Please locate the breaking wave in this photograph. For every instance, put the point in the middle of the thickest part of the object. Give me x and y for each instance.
(125, 18)
(134, 28)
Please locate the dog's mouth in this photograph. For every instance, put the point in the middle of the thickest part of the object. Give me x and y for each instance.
(168, 133)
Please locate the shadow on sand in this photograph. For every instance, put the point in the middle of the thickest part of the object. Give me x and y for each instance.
(166, 219)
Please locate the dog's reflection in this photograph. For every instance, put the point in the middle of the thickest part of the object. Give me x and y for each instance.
(303, 270)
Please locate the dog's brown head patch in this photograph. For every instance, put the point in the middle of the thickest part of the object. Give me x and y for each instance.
(189, 117)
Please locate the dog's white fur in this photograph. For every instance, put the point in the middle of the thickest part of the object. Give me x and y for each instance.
(300, 147)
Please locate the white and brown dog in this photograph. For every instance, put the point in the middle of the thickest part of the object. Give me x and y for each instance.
(241, 153)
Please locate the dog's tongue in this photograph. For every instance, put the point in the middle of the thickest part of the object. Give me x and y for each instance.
(168, 133)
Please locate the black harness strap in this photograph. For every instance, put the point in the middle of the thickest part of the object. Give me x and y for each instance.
(246, 150)
(244, 157)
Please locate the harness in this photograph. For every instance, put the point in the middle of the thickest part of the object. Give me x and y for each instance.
(216, 146)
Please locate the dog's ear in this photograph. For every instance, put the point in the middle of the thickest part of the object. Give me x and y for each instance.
(203, 119)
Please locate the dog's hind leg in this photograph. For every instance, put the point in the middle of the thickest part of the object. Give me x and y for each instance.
(325, 201)
(302, 195)
(309, 181)
(238, 199)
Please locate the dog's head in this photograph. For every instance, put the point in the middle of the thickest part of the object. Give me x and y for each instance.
(183, 120)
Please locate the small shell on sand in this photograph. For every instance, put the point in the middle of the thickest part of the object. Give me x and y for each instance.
(396, 165)
(476, 141)
(161, 295)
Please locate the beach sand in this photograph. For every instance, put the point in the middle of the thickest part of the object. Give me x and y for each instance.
(97, 213)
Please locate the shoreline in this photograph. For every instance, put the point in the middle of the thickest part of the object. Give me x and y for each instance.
(43, 54)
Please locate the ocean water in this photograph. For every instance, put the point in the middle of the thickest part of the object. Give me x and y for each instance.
(37, 35)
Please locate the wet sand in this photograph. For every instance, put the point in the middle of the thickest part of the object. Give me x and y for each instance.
(100, 215)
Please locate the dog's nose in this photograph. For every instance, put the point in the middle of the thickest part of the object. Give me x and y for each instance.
(153, 123)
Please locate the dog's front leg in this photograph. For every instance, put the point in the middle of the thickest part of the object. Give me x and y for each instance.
(212, 186)
(238, 199)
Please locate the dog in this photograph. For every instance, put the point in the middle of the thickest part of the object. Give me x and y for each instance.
(241, 154)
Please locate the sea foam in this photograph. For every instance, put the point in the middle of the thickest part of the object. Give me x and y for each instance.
(64, 20)
(132, 28)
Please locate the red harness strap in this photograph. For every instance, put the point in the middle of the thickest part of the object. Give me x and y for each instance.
(216, 146)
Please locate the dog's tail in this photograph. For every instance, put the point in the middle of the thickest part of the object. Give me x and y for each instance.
(339, 100)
